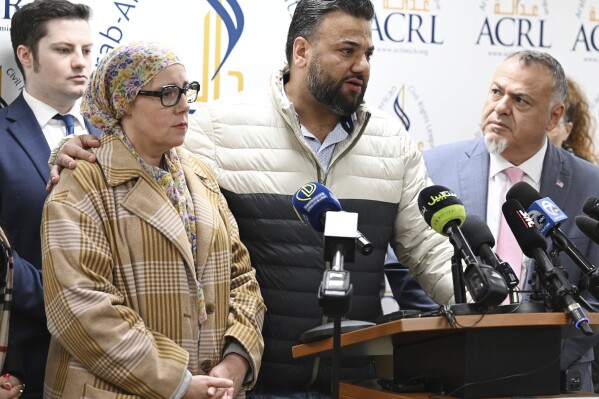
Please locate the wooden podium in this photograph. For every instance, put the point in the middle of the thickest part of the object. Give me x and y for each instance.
(469, 359)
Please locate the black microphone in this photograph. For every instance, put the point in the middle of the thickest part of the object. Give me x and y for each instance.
(547, 217)
(590, 227)
(445, 213)
(534, 246)
(591, 207)
(481, 240)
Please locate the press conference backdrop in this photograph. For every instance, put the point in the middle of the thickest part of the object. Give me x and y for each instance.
(432, 66)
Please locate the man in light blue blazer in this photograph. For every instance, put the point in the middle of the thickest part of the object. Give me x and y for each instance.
(52, 46)
(524, 101)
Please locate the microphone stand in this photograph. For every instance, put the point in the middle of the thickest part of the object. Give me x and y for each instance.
(511, 280)
(562, 243)
(485, 284)
(335, 290)
(562, 293)
(460, 249)
(457, 273)
(343, 299)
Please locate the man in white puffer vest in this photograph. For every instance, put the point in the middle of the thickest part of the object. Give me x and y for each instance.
(311, 124)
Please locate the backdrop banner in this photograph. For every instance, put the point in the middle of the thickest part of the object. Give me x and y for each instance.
(432, 65)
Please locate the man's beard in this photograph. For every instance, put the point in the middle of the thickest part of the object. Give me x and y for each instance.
(496, 146)
(328, 92)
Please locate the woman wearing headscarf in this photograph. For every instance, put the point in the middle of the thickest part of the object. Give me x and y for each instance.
(148, 290)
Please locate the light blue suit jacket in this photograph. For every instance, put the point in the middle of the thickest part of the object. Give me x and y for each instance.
(24, 171)
(463, 167)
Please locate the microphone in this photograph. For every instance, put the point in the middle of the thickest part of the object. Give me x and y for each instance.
(543, 211)
(547, 217)
(591, 207)
(481, 239)
(534, 246)
(445, 213)
(590, 227)
(311, 203)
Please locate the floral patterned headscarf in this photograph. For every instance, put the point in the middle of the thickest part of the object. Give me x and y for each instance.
(120, 75)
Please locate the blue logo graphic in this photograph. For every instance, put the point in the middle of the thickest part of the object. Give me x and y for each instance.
(234, 30)
(401, 114)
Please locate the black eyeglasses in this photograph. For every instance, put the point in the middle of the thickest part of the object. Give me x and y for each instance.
(171, 94)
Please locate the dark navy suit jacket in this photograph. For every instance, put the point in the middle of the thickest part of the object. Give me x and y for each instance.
(568, 180)
(24, 172)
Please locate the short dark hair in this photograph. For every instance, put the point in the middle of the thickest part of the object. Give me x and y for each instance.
(28, 24)
(309, 14)
(560, 86)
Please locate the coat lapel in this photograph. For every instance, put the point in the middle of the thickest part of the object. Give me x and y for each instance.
(23, 126)
(556, 177)
(473, 172)
(145, 199)
(205, 194)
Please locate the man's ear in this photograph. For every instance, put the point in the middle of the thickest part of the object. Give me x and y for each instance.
(555, 116)
(25, 56)
(301, 52)
(568, 126)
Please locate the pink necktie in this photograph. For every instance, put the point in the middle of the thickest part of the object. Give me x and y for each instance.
(507, 246)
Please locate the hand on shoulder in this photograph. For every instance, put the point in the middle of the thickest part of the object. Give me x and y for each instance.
(66, 154)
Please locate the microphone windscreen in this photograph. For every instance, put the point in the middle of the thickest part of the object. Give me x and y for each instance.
(477, 233)
(591, 207)
(523, 227)
(439, 206)
(311, 201)
(590, 227)
(524, 193)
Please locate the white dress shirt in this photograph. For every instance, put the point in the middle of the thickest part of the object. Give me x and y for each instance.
(54, 130)
(324, 151)
(532, 168)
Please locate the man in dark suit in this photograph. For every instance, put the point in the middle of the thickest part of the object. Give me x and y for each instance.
(52, 47)
(524, 101)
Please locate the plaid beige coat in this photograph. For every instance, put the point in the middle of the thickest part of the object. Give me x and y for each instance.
(120, 283)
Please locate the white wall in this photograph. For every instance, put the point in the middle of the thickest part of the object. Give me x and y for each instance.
(433, 60)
